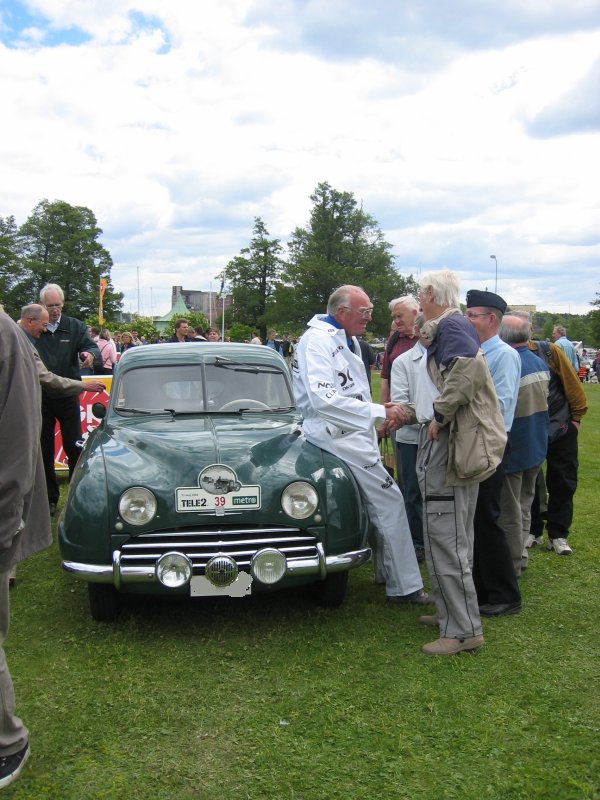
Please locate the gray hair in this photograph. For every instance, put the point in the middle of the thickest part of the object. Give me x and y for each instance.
(420, 320)
(444, 286)
(407, 300)
(560, 329)
(519, 334)
(52, 287)
(32, 311)
(341, 298)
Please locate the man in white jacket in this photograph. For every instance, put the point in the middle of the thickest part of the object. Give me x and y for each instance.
(332, 392)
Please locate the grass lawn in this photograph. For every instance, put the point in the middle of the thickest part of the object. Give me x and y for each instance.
(273, 697)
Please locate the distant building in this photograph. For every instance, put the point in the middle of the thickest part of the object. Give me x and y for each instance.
(178, 309)
(208, 303)
(528, 309)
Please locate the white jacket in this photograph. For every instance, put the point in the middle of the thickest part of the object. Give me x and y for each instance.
(404, 376)
(330, 385)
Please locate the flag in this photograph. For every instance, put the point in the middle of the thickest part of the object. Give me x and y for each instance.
(103, 285)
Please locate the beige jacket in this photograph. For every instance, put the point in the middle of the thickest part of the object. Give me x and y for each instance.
(469, 405)
(48, 380)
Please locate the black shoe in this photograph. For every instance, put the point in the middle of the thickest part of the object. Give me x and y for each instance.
(11, 766)
(52, 509)
(418, 598)
(499, 609)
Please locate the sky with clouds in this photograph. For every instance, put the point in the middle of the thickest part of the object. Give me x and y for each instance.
(467, 128)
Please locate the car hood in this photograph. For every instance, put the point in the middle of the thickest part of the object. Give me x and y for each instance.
(166, 453)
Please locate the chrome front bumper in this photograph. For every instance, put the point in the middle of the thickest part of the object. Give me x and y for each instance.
(118, 574)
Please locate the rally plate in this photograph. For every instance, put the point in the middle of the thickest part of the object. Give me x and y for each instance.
(196, 500)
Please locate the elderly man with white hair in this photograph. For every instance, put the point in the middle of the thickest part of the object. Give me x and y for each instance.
(461, 443)
(402, 338)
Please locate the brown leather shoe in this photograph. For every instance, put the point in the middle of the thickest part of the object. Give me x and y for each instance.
(431, 620)
(449, 647)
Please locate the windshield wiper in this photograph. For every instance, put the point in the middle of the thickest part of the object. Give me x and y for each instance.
(252, 368)
(146, 410)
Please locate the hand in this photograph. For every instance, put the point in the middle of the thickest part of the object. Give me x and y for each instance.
(395, 416)
(87, 360)
(94, 386)
(433, 430)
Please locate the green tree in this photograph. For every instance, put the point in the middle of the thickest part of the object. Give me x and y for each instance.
(11, 272)
(240, 332)
(341, 244)
(143, 325)
(594, 322)
(253, 276)
(60, 245)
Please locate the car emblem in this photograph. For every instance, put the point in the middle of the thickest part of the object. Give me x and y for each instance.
(218, 479)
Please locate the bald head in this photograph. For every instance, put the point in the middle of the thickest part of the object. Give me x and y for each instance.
(515, 329)
(34, 319)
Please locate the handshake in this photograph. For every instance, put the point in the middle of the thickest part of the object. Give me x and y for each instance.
(395, 417)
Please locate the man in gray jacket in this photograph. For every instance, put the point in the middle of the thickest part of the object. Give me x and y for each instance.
(461, 443)
(24, 517)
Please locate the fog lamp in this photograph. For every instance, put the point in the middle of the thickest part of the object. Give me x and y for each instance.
(268, 565)
(173, 570)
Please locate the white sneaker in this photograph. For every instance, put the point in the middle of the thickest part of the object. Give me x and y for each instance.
(533, 541)
(559, 546)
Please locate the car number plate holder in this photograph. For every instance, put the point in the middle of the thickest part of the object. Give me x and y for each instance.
(202, 587)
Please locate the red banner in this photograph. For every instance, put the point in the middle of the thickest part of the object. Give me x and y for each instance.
(88, 420)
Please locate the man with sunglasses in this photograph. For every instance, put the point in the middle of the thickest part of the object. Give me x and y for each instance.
(332, 392)
(64, 347)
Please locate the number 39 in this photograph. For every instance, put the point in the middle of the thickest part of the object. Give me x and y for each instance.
(219, 501)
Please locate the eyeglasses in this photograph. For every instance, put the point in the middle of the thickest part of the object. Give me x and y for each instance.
(481, 314)
(364, 312)
(53, 305)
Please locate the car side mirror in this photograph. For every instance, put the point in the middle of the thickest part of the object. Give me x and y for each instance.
(99, 410)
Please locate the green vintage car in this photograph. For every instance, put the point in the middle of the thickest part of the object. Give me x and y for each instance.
(198, 481)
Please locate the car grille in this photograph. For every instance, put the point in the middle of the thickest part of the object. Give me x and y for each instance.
(201, 545)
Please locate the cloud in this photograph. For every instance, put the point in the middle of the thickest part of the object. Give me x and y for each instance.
(179, 123)
(576, 112)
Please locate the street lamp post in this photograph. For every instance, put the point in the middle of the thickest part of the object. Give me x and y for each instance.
(496, 283)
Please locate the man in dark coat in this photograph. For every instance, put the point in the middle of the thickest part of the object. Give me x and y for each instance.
(64, 347)
(24, 517)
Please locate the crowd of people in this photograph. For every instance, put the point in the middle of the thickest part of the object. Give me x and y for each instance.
(473, 404)
(112, 345)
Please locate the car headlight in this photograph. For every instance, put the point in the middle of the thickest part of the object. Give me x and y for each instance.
(268, 565)
(173, 570)
(137, 505)
(299, 500)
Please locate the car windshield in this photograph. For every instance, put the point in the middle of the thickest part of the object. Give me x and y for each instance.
(226, 387)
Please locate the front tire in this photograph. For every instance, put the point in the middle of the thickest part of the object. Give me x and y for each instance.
(105, 602)
(331, 592)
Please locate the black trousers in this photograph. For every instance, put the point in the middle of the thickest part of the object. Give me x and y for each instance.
(66, 411)
(493, 570)
(562, 465)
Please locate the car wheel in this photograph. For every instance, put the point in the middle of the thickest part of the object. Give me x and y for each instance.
(331, 592)
(104, 602)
